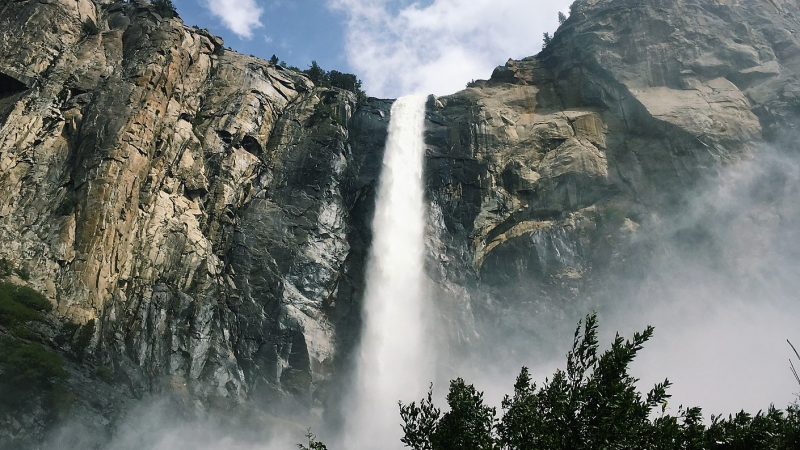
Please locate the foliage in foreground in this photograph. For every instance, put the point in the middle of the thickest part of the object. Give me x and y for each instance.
(593, 404)
(313, 443)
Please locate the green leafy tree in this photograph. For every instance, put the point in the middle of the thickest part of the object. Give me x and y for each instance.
(33, 366)
(21, 304)
(771, 430)
(419, 422)
(317, 75)
(334, 78)
(547, 39)
(469, 425)
(165, 8)
(561, 18)
(27, 368)
(592, 404)
(84, 338)
(346, 81)
(274, 60)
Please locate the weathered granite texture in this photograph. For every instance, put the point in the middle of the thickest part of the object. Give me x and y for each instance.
(540, 177)
(195, 202)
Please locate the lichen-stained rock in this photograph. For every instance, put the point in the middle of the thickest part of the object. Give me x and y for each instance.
(187, 198)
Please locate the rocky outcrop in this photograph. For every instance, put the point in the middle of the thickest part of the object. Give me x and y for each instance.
(195, 202)
(540, 176)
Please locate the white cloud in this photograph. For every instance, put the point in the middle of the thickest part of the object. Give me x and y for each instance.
(239, 16)
(398, 47)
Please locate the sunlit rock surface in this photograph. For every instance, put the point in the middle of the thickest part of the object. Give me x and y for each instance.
(215, 221)
(541, 175)
(184, 196)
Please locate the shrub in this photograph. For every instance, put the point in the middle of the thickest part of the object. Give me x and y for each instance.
(33, 365)
(323, 111)
(6, 267)
(23, 273)
(346, 81)
(20, 304)
(105, 374)
(68, 204)
(165, 8)
(198, 119)
(573, 7)
(58, 399)
(84, 338)
(89, 28)
(334, 78)
(68, 330)
(28, 369)
(13, 312)
(30, 298)
(613, 215)
(547, 39)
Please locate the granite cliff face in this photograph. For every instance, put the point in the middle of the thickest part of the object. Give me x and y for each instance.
(195, 202)
(210, 211)
(541, 176)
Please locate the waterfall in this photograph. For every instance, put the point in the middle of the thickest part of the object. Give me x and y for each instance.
(391, 364)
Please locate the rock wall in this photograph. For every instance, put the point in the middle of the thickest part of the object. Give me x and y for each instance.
(204, 207)
(540, 177)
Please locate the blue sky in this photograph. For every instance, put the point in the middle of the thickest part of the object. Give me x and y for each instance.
(297, 34)
(396, 47)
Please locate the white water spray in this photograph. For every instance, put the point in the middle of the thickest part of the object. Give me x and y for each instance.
(390, 365)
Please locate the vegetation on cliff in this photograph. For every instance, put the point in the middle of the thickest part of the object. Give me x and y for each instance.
(27, 368)
(165, 8)
(334, 78)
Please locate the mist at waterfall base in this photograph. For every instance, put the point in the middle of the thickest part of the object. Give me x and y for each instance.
(723, 291)
(163, 424)
(720, 282)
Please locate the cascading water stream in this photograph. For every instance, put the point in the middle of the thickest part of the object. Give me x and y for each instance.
(391, 364)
